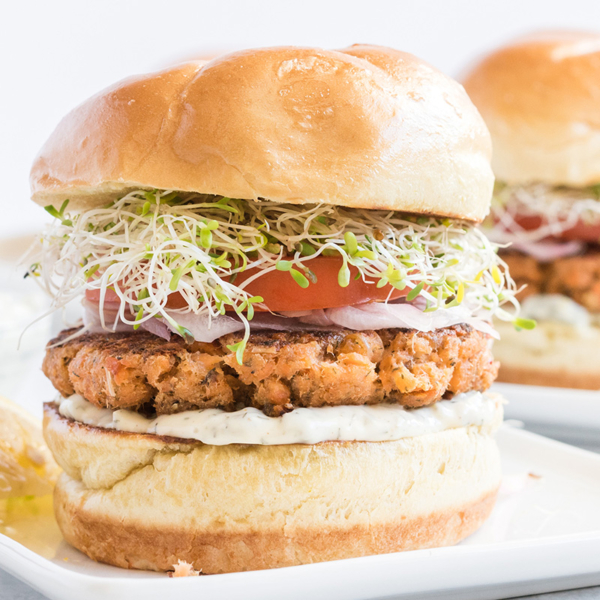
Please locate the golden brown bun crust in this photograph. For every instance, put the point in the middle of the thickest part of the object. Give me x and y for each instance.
(561, 379)
(151, 548)
(234, 508)
(539, 98)
(366, 127)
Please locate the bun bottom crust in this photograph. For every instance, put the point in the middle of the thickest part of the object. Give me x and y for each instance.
(132, 547)
(553, 354)
(550, 378)
(144, 502)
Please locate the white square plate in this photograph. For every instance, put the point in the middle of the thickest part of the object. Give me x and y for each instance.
(543, 535)
(569, 415)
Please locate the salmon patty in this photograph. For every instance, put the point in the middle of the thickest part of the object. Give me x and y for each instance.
(577, 277)
(281, 371)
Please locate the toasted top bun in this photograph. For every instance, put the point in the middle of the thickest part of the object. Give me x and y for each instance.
(366, 127)
(540, 99)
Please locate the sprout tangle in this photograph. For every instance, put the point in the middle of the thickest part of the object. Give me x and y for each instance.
(558, 209)
(150, 244)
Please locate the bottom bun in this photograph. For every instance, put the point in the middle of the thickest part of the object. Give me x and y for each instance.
(553, 354)
(141, 501)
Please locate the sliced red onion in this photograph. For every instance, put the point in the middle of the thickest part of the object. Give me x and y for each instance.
(548, 251)
(158, 327)
(92, 322)
(389, 316)
(358, 318)
(204, 331)
(363, 317)
(312, 320)
(202, 327)
(311, 317)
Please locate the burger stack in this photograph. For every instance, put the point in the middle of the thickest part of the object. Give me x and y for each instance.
(286, 348)
(539, 97)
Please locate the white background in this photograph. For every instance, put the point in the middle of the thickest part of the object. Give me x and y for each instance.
(56, 53)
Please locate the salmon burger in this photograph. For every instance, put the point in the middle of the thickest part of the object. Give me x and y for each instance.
(538, 95)
(287, 343)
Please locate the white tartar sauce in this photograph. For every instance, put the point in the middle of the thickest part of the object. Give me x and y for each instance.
(380, 423)
(555, 307)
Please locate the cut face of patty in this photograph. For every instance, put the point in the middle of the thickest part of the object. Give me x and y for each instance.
(281, 371)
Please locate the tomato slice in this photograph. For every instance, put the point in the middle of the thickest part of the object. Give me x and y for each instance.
(94, 296)
(583, 232)
(281, 293)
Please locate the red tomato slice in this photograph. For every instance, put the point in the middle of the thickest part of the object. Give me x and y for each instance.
(281, 293)
(582, 232)
(94, 296)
